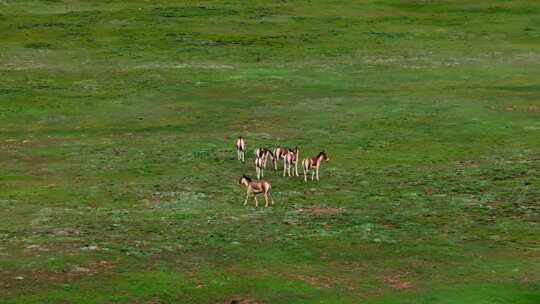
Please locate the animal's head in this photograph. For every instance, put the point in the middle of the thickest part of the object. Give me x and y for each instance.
(324, 155)
(261, 152)
(244, 180)
(292, 151)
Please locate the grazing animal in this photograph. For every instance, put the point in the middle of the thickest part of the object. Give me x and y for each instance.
(279, 153)
(314, 162)
(256, 187)
(240, 148)
(290, 158)
(264, 153)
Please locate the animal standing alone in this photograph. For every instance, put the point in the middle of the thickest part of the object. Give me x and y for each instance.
(290, 158)
(256, 187)
(240, 148)
(311, 163)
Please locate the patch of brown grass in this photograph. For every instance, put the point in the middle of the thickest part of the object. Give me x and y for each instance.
(42, 141)
(531, 107)
(322, 210)
(315, 281)
(69, 274)
(397, 281)
(242, 300)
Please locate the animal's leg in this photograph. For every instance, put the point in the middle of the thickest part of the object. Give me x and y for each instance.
(256, 201)
(266, 200)
(297, 160)
(271, 197)
(305, 174)
(284, 166)
(312, 174)
(317, 173)
(289, 169)
(296, 168)
(247, 196)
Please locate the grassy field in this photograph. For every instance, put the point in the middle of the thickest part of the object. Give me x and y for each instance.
(118, 176)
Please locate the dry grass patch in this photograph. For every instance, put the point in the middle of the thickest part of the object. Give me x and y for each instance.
(398, 281)
(322, 210)
(242, 300)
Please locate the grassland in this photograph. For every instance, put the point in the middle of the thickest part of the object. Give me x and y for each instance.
(118, 175)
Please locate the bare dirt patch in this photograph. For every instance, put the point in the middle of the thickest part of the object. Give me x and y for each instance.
(398, 281)
(34, 159)
(242, 300)
(73, 272)
(531, 107)
(11, 279)
(42, 141)
(315, 281)
(35, 249)
(322, 210)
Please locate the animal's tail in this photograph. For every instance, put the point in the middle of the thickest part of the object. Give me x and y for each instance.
(270, 193)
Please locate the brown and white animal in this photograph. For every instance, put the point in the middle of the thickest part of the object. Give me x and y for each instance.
(279, 153)
(314, 162)
(240, 148)
(259, 167)
(290, 158)
(256, 187)
(264, 153)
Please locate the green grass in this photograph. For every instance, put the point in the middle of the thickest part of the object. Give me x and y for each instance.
(118, 179)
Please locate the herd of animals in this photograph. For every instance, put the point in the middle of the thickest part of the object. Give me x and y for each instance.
(290, 157)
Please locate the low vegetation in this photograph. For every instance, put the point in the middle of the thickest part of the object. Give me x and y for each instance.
(119, 178)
